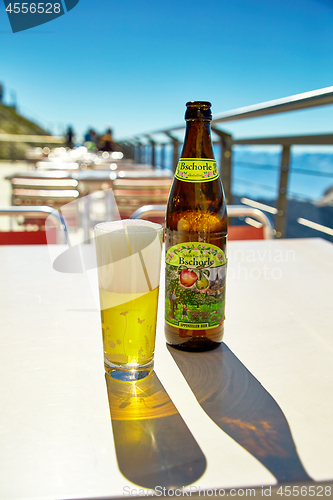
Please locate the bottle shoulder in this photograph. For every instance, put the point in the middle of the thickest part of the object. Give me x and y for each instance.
(197, 207)
(193, 192)
(196, 222)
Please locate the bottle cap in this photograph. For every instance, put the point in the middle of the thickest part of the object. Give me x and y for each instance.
(198, 110)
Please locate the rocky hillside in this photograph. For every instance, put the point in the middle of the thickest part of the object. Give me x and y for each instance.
(13, 123)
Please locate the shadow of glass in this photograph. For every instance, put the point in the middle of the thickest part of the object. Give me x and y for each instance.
(234, 399)
(154, 447)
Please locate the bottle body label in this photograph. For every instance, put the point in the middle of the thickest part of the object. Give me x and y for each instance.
(196, 170)
(195, 286)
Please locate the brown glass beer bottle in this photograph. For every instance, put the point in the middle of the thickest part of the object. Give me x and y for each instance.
(195, 239)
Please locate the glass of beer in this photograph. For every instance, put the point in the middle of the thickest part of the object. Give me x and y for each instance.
(128, 263)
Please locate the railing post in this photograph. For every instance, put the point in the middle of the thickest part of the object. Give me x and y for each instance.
(162, 161)
(138, 152)
(175, 153)
(141, 152)
(127, 149)
(153, 156)
(225, 162)
(132, 151)
(280, 218)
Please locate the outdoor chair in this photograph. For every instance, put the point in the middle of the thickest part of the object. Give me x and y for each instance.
(130, 194)
(57, 231)
(52, 189)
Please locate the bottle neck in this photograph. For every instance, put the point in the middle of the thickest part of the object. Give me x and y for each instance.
(197, 142)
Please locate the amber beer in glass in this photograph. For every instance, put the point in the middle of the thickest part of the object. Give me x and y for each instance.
(195, 240)
(128, 260)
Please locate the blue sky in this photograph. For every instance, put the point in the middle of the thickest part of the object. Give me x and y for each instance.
(134, 64)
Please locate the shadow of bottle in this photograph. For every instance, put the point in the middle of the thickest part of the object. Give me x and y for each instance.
(154, 447)
(234, 399)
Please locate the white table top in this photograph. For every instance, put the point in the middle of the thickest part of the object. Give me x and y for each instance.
(56, 437)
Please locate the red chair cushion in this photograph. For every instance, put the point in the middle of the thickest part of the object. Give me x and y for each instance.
(245, 233)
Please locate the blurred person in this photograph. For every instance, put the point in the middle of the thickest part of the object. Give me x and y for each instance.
(69, 136)
(87, 136)
(91, 139)
(106, 141)
(94, 137)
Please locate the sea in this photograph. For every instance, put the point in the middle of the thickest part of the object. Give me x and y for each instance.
(255, 176)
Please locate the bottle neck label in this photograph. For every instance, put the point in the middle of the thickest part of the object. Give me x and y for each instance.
(196, 170)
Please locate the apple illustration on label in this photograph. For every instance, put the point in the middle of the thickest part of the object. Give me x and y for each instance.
(202, 283)
(187, 277)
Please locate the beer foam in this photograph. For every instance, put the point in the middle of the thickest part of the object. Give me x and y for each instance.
(128, 255)
(140, 225)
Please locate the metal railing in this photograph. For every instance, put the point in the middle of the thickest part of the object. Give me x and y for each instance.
(37, 212)
(141, 145)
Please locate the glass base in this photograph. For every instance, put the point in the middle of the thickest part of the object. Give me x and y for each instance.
(128, 373)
